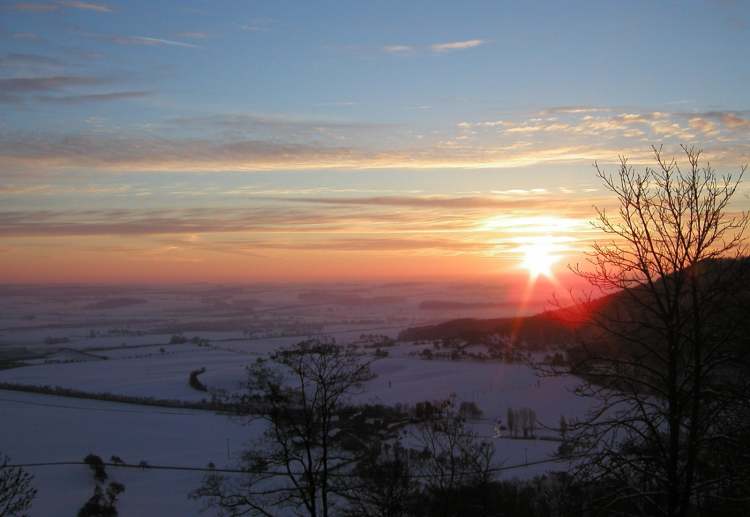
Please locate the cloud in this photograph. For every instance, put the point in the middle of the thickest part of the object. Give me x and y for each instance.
(28, 36)
(573, 109)
(14, 90)
(192, 35)
(280, 224)
(733, 121)
(527, 129)
(365, 244)
(87, 6)
(144, 153)
(35, 7)
(257, 25)
(703, 125)
(336, 104)
(95, 97)
(256, 142)
(149, 41)
(36, 84)
(398, 49)
(259, 219)
(66, 4)
(253, 123)
(56, 190)
(581, 121)
(456, 45)
(281, 149)
(381, 226)
(488, 123)
(437, 48)
(29, 60)
(122, 152)
(451, 202)
(670, 129)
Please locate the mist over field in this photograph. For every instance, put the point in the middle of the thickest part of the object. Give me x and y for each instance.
(142, 343)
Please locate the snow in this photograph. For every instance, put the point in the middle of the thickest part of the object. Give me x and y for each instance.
(493, 386)
(68, 429)
(158, 375)
(42, 428)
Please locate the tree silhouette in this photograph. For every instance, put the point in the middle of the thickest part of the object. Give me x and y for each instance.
(16, 491)
(661, 354)
(301, 394)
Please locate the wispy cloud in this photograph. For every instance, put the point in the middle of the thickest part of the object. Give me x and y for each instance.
(452, 202)
(17, 89)
(56, 190)
(95, 97)
(29, 60)
(574, 109)
(256, 25)
(398, 49)
(35, 84)
(389, 243)
(639, 125)
(130, 153)
(193, 35)
(456, 45)
(252, 123)
(380, 222)
(734, 121)
(703, 125)
(251, 142)
(38, 7)
(35, 7)
(149, 41)
(204, 220)
(26, 36)
(86, 6)
(437, 48)
(337, 104)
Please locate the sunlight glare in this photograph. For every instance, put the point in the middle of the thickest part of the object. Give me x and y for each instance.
(539, 256)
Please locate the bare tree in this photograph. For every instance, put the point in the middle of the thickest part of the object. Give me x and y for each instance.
(663, 355)
(441, 473)
(451, 454)
(383, 483)
(312, 432)
(16, 491)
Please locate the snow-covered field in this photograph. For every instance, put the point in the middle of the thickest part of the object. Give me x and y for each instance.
(43, 429)
(131, 354)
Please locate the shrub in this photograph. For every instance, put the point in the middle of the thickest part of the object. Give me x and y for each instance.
(195, 382)
(97, 466)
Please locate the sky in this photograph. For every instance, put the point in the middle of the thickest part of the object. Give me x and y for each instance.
(220, 141)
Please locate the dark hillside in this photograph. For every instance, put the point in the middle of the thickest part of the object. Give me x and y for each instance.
(567, 326)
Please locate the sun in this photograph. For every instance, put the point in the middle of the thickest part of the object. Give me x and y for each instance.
(539, 257)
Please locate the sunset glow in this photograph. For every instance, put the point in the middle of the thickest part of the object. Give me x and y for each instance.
(205, 143)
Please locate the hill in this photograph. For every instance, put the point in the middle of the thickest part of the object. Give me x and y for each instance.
(546, 328)
(566, 326)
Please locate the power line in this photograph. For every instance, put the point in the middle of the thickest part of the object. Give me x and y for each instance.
(270, 472)
(195, 413)
(82, 408)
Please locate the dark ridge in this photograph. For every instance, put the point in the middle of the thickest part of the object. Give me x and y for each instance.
(565, 326)
(443, 305)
